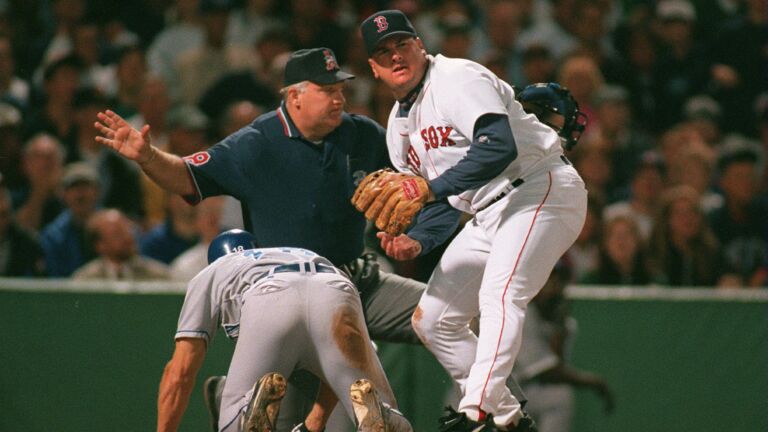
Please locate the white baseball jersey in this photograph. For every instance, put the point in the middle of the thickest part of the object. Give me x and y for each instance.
(502, 256)
(215, 295)
(438, 131)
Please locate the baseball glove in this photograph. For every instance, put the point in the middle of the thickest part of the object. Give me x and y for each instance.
(391, 199)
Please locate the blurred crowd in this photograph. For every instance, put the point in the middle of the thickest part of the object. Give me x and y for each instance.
(674, 155)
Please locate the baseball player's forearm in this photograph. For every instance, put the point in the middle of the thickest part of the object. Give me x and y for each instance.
(434, 225)
(177, 383)
(325, 402)
(169, 172)
(493, 149)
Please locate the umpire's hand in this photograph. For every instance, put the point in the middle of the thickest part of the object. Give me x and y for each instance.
(117, 134)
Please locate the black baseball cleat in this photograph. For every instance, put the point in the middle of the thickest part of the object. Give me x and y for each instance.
(212, 388)
(455, 421)
(526, 424)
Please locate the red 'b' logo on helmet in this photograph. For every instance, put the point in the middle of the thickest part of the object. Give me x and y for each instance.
(381, 23)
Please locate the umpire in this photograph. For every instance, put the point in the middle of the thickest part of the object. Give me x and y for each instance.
(294, 170)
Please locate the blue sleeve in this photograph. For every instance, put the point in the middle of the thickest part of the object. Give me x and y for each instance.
(493, 149)
(219, 170)
(434, 225)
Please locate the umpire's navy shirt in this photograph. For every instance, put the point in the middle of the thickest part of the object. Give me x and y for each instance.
(295, 192)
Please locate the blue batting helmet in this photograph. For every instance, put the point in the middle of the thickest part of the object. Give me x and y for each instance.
(234, 240)
(544, 99)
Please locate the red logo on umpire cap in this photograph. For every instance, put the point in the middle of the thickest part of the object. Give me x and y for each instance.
(330, 60)
(381, 23)
(199, 158)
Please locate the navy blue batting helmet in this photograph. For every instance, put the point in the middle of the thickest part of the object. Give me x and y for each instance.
(545, 99)
(234, 240)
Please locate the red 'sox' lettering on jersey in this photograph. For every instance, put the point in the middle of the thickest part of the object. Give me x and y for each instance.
(411, 189)
(435, 137)
(199, 158)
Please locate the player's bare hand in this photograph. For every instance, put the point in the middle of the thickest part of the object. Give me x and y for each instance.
(119, 135)
(401, 248)
(600, 386)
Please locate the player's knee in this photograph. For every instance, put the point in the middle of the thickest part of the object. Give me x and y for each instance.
(424, 324)
(416, 322)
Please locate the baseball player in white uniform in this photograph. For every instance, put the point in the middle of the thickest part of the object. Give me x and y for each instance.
(459, 126)
(287, 308)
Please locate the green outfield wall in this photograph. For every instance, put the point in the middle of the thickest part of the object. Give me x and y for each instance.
(85, 357)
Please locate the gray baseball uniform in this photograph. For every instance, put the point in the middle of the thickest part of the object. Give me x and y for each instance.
(288, 308)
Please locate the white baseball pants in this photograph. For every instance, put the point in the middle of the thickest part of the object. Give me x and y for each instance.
(494, 267)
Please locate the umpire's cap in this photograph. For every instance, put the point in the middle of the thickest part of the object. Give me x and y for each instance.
(234, 240)
(317, 65)
(382, 25)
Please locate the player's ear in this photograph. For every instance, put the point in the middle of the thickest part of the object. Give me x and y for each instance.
(373, 68)
(293, 97)
(420, 44)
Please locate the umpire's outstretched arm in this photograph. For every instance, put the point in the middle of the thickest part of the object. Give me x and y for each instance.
(167, 170)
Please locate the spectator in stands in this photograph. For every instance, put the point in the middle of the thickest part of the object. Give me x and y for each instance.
(456, 34)
(644, 196)
(179, 36)
(200, 67)
(36, 202)
(684, 250)
(313, 24)
(187, 130)
(119, 179)
(154, 105)
(111, 235)
(615, 129)
(557, 32)
(695, 169)
(236, 116)
(740, 223)
(12, 88)
(86, 37)
(64, 240)
(682, 67)
(623, 260)
(55, 115)
(250, 84)
(739, 66)
(580, 73)
(675, 143)
(637, 48)
(704, 114)
(538, 65)
(252, 21)
(175, 235)
(502, 27)
(11, 143)
(593, 162)
(20, 253)
(208, 223)
(131, 69)
(54, 41)
(584, 255)
(591, 27)
(543, 368)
